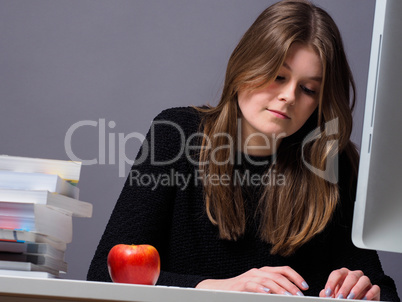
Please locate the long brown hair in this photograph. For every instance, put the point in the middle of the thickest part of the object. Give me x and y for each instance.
(290, 214)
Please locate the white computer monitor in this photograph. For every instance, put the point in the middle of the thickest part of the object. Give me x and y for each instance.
(377, 220)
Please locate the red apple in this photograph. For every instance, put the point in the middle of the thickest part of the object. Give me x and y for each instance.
(137, 264)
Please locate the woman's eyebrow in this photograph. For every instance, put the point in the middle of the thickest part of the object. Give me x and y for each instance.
(314, 78)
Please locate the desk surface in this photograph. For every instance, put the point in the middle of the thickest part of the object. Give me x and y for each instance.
(21, 289)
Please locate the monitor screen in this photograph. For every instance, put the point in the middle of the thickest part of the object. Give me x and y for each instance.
(377, 220)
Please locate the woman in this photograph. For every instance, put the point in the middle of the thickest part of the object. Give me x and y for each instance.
(248, 195)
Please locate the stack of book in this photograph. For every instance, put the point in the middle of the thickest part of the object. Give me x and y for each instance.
(38, 200)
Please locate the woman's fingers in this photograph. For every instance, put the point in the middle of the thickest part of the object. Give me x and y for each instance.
(373, 294)
(275, 280)
(255, 286)
(335, 281)
(347, 284)
(351, 279)
(287, 279)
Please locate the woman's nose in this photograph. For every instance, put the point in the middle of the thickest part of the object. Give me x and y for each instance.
(288, 93)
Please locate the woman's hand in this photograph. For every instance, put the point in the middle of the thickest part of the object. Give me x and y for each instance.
(344, 283)
(276, 280)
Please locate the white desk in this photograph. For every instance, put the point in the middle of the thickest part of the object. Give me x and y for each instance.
(19, 289)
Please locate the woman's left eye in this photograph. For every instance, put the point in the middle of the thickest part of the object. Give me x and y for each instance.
(307, 90)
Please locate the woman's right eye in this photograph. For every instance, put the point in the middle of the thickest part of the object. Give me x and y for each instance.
(279, 78)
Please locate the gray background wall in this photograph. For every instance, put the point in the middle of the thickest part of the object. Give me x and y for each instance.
(65, 61)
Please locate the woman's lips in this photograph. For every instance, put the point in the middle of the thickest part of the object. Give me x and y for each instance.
(279, 114)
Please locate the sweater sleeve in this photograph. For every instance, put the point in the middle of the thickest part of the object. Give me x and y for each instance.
(142, 214)
(344, 252)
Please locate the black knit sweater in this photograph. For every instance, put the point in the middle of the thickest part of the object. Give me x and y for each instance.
(162, 204)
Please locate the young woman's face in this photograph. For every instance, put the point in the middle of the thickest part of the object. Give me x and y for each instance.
(281, 107)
